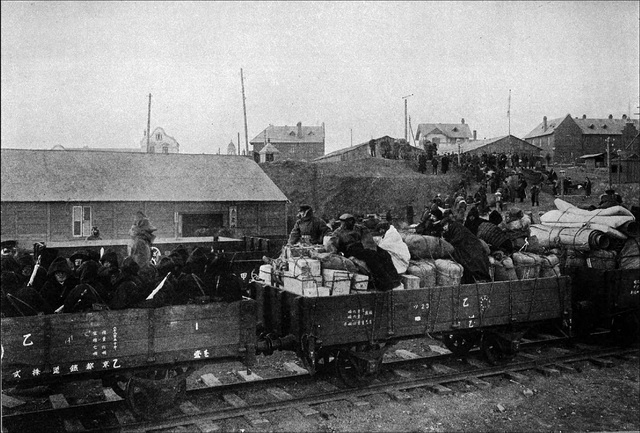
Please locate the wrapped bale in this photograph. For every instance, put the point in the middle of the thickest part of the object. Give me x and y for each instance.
(550, 266)
(425, 270)
(527, 265)
(577, 238)
(504, 270)
(448, 272)
(427, 247)
(630, 254)
(335, 261)
(575, 259)
(602, 259)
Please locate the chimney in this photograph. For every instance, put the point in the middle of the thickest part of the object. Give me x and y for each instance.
(584, 116)
(475, 135)
(299, 129)
(462, 121)
(610, 116)
(544, 123)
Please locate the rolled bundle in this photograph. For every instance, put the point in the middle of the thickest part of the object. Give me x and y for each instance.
(427, 247)
(550, 266)
(425, 270)
(630, 254)
(448, 272)
(611, 211)
(602, 259)
(557, 218)
(630, 228)
(504, 270)
(560, 217)
(527, 265)
(583, 239)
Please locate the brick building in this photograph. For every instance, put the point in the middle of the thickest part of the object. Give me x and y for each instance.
(302, 143)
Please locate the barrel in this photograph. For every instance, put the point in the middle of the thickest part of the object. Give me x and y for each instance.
(425, 270)
(527, 265)
(448, 272)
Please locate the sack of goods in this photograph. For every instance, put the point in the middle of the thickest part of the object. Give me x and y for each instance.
(427, 247)
(334, 261)
(550, 266)
(425, 270)
(505, 270)
(448, 272)
(601, 259)
(527, 265)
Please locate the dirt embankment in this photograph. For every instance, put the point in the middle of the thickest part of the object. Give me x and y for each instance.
(359, 187)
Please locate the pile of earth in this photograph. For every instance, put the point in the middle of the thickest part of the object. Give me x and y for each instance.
(360, 187)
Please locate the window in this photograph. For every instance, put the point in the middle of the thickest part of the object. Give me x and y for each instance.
(158, 136)
(81, 221)
(165, 149)
(268, 157)
(152, 149)
(199, 225)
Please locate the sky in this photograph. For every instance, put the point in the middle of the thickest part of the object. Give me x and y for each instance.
(79, 73)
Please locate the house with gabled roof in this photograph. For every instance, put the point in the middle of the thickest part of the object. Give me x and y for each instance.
(568, 138)
(443, 133)
(55, 196)
(302, 143)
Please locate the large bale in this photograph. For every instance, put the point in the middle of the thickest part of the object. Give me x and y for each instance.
(505, 270)
(550, 266)
(448, 272)
(630, 254)
(602, 259)
(335, 261)
(427, 247)
(425, 270)
(575, 259)
(527, 265)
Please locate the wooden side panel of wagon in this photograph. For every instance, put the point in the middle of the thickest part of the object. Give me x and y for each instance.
(45, 348)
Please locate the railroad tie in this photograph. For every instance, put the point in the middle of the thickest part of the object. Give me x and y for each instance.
(247, 376)
(405, 354)
(440, 389)
(516, 377)
(478, 383)
(280, 394)
(359, 403)
(8, 401)
(210, 380)
(295, 368)
(548, 371)
(442, 369)
(204, 426)
(399, 395)
(439, 349)
(602, 363)
(564, 367)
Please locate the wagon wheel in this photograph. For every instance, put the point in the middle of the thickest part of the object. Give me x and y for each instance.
(493, 351)
(150, 393)
(459, 343)
(626, 329)
(359, 365)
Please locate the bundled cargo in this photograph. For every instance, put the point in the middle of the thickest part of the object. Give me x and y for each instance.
(304, 266)
(334, 261)
(602, 259)
(427, 247)
(410, 282)
(338, 281)
(425, 270)
(575, 259)
(550, 266)
(583, 239)
(630, 254)
(359, 283)
(504, 270)
(448, 272)
(527, 265)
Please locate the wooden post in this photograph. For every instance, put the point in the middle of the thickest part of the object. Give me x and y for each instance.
(244, 108)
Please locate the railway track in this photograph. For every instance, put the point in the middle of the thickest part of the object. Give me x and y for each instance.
(211, 405)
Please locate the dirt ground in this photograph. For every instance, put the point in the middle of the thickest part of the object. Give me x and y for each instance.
(593, 399)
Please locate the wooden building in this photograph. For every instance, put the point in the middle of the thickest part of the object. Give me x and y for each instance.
(566, 139)
(383, 147)
(56, 196)
(443, 133)
(508, 144)
(300, 143)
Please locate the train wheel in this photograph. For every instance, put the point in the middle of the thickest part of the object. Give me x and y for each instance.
(155, 391)
(459, 343)
(493, 351)
(626, 329)
(359, 365)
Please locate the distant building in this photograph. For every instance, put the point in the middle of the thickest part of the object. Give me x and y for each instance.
(566, 139)
(443, 133)
(269, 153)
(303, 143)
(507, 144)
(383, 147)
(231, 148)
(159, 142)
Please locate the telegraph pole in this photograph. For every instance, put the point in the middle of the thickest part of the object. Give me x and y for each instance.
(148, 123)
(405, 116)
(609, 159)
(244, 108)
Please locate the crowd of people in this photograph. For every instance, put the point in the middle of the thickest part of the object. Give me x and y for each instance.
(86, 281)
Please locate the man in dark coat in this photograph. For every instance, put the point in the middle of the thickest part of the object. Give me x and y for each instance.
(128, 289)
(468, 251)
(20, 300)
(222, 284)
(308, 228)
(60, 283)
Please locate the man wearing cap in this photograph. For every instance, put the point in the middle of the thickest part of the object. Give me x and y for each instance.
(308, 228)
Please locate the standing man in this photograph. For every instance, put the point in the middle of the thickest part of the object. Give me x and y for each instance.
(434, 164)
(372, 148)
(535, 193)
(587, 188)
(308, 228)
(445, 164)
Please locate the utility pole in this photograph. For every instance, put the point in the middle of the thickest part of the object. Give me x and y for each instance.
(244, 108)
(239, 152)
(509, 112)
(405, 116)
(609, 159)
(148, 122)
(352, 137)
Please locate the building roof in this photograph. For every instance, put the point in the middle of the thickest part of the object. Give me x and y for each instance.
(269, 148)
(357, 146)
(289, 134)
(592, 155)
(467, 146)
(44, 175)
(587, 126)
(451, 130)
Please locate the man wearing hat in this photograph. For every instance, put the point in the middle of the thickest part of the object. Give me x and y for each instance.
(308, 228)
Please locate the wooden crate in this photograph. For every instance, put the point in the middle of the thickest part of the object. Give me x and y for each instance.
(43, 348)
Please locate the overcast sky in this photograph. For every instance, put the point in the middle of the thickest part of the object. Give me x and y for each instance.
(79, 73)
